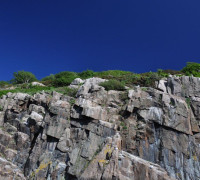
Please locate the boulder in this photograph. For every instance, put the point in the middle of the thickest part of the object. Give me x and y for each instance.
(37, 84)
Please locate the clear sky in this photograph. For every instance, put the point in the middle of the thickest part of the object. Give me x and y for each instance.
(49, 36)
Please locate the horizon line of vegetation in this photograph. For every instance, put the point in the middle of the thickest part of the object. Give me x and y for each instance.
(117, 79)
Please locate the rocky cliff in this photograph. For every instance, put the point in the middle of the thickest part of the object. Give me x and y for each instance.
(141, 133)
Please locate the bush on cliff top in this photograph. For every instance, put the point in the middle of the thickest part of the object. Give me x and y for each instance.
(64, 78)
(192, 69)
(127, 78)
(87, 74)
(113, 85)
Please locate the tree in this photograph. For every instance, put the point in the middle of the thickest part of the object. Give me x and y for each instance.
(21, 77)
(192, 68)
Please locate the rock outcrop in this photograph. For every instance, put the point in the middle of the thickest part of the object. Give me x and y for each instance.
(141, 133)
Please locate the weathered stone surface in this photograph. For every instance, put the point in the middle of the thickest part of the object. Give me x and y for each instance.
(162, 85)
(77, 81)
(184, 86)
(10, 171)
(132, 166)
(37, 84)
(90, 84)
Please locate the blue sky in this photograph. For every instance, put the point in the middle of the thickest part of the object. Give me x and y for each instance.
(49, 36)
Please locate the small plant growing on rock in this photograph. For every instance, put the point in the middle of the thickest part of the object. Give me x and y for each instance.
(188, 101)
(123, 126)
(67, 91)
(72, 101)
(123, 96)
(144, 88)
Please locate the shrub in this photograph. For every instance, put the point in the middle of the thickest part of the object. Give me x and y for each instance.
(131, 79)
(148, 79)
(192, 69)
(48, 80)
(21, 77)
(113, 74)
(126, 77)
(64, 78)
(172, 72)
(24, 86)
(113, 85)
(162, 73)
(87, 74)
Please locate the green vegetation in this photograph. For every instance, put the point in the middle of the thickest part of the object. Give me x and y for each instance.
(117, 79)
(21, 77)
(188, 101)
(72, 101)
(113, 85)
(192, 69)
(170, 71)
(30, 91)
(117, 74)
(3, 84)
(123, 125)
(144, 88)
(48, 80)
(67, 91)
(149, 79)
(126, 77)
(64, 78)
(87, 74)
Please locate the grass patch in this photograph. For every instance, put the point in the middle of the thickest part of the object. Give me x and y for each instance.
(30, 91)
(67, 91)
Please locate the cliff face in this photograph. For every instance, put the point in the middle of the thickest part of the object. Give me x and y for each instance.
(140, 134)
